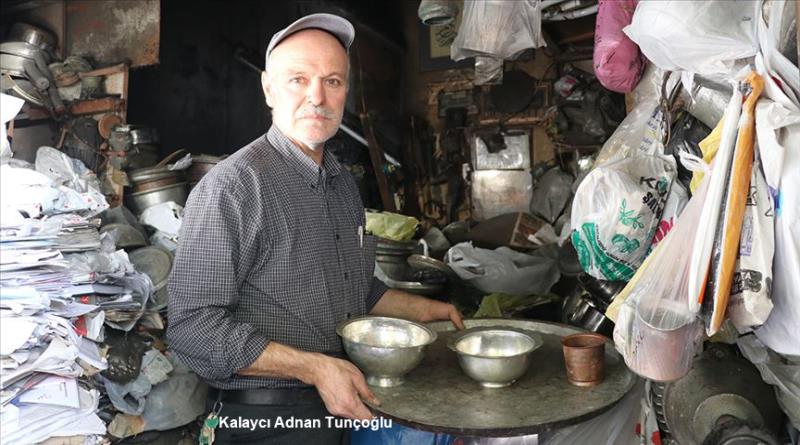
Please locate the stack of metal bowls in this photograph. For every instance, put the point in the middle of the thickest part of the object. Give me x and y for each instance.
(494, 356)
(391, 257)
(384, 348)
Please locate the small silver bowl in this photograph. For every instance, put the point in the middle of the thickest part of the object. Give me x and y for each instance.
(494, 356)
(384, 348)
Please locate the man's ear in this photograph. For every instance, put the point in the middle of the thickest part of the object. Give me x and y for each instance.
(266, 87)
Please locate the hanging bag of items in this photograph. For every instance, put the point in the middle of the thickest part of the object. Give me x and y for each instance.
(656, 331)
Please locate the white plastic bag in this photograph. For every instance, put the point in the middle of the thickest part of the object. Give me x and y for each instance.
(616, 211)
(503, 270)
(777, 371)
(656, 332)
(498, 28)
(750, 304)
(699, 36)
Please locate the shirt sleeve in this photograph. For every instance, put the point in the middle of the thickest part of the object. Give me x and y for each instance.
(376, 291)
(217, 247)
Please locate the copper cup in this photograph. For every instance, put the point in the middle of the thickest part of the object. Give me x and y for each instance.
(584, 357)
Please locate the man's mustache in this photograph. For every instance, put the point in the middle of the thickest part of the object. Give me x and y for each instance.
(314, 111)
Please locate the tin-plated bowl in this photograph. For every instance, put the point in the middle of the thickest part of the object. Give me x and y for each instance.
(494, 356)
(385, 348)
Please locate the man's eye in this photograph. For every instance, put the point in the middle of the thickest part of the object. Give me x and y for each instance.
(296, 80)
(334, 82)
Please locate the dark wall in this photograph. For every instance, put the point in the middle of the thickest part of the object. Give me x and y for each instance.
(202, 99)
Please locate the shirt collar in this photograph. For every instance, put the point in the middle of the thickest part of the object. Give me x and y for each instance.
(300, 162)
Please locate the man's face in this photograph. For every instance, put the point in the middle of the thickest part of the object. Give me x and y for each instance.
(306, 86)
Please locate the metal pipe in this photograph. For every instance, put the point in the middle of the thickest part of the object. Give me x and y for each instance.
(364, 142)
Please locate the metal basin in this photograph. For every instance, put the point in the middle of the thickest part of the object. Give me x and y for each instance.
(385, 348)
(142, 200)
(496, 357)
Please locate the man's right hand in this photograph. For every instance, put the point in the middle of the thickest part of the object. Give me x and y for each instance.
(342, 386)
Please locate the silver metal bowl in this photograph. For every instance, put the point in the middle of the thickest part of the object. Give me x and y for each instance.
(385, 348)
(494, 356)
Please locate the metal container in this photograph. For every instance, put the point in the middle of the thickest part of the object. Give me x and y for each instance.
(664, 350)
(495, 357)
(437, 12)
(516, 155)
(140, 201)
(384, 348)
(201, 165)
(497, 192)
(24, 32)
(156, 263)
(584, 356)
(588, 315)
(150, 178)
(127, 236)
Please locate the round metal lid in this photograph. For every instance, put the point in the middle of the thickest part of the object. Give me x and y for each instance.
(153, 261)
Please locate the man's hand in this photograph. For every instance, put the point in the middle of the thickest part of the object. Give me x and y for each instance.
(438, 310)
(396, 303)
(342, 386)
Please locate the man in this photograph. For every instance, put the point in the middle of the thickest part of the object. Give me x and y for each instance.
(271, 256)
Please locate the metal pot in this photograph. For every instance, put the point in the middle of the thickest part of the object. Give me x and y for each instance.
(23, 32)
(145, 179)
(201, 165)
(140, 201)
(437, 12)
(588, 315)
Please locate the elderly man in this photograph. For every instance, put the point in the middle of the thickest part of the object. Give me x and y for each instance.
(271, 257)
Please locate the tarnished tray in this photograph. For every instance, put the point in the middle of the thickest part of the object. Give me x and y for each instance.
(437, 396)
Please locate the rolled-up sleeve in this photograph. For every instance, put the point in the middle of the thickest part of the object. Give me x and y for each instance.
(376, 290)
(218, 246)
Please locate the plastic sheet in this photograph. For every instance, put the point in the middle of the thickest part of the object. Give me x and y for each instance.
(497, 28)
(782, 373)
(551, 193)
(503, 270)
(618, 63)
(616, 212)
(702, 37)
(391, 226)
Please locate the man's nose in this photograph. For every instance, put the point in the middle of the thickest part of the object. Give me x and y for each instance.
(315, 93)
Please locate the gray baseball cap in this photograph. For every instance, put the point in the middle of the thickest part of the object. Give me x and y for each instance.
(339, 27)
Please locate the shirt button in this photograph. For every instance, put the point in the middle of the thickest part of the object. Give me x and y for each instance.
(337, 236)
(345, 275)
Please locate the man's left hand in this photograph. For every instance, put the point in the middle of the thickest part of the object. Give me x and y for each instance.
(438, 310)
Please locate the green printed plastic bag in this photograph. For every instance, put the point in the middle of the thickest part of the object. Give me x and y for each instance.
(616, 211)
(392, 226)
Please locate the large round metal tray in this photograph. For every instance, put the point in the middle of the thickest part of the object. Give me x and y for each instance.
(437, 396)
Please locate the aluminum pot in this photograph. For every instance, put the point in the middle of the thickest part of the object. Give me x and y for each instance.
(140, 201)
(201, 165)
(145, 179)
(24, 32)
(666, 341)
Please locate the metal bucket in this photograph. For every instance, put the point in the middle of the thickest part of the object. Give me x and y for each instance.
(665, 343)
(140, 201)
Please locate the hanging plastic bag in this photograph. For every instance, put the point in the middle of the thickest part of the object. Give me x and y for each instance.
(393, 226)
(750, 303)
(551, 193)
(498, 28)
(618, 63)
(656, 332)
(616, 211)
(504, 270)
(702, 37)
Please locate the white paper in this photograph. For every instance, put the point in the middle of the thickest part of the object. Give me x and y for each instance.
(14, 332)
(54, 390)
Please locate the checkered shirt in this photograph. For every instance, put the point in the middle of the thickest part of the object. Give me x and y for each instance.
(269, 250)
